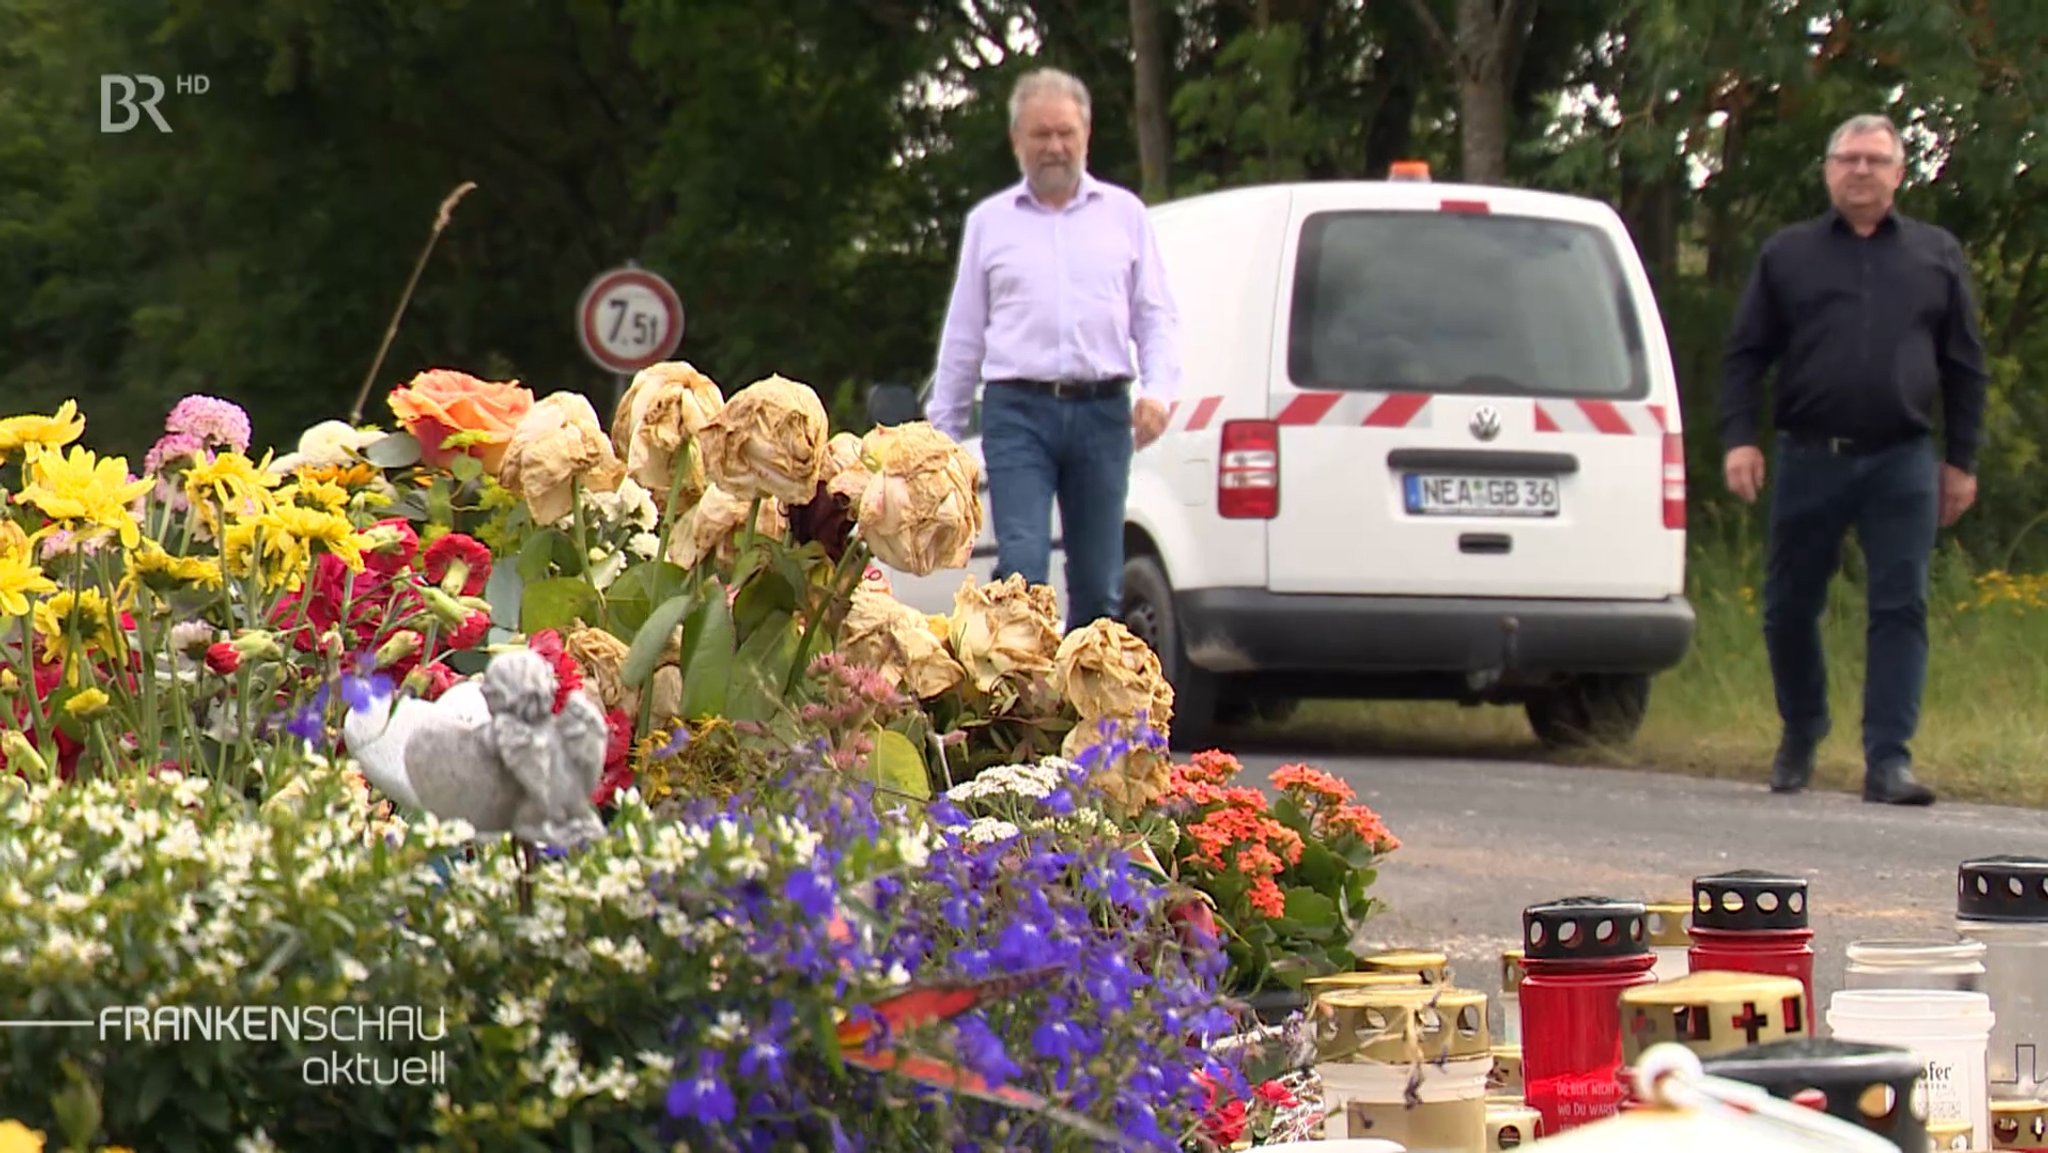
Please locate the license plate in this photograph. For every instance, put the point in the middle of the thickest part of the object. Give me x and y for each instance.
(1429, 495)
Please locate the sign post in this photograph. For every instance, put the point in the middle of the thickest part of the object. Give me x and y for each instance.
(629, 318)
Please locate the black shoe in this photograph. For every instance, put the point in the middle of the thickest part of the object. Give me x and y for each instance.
(1792, 769)
(1895, 786)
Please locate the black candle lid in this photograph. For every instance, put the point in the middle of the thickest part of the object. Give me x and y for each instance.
(1584, 928)
(2003, 888)
(1869, 1086)
(1749, 899)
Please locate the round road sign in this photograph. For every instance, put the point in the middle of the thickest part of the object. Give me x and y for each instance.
(628, 319)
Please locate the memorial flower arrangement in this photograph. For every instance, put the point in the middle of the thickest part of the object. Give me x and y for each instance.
(820, 896)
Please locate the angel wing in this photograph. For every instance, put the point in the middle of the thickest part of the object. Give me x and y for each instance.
(581, 740)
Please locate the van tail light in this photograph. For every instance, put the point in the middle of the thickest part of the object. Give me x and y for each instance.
(1248, 470)
(1674, 480)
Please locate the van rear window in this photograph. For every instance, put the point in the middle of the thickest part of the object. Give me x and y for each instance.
(1462, 302)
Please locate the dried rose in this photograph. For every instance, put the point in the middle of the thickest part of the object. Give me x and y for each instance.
(1004, 628)
(666, 406)
(1104, 670)
(558, 445)
(602, 658)
(713, 525)
(921, 508)
(1132, 775)
(768, 440)
(885, 634)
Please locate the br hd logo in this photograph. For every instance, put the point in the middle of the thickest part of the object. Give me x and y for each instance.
(121, 91)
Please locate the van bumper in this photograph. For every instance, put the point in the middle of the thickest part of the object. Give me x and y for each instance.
(1238, 630)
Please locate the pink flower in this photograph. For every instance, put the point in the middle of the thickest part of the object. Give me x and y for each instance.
(212, 420)
(173, 446)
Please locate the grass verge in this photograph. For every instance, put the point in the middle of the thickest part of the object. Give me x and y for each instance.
(1983, 723)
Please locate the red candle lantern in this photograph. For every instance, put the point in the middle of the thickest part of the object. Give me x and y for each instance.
(1579, 954)
(1752, 921)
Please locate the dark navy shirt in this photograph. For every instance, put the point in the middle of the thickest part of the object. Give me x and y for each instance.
(1866, 333)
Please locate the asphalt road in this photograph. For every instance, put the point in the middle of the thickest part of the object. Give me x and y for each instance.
(1482, 840)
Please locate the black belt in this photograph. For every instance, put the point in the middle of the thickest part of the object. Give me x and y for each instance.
(1073, 389)
(1849, 445)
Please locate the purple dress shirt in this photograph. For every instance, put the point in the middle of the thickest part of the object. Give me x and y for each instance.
(1045, 294)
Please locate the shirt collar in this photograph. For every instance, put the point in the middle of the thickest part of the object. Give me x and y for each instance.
(1091, 189)
(1889, 222)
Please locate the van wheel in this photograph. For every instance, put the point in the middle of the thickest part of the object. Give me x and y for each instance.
(1148, 613)
(1595, 709)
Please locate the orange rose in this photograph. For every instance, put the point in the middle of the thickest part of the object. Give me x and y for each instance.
(441, 402)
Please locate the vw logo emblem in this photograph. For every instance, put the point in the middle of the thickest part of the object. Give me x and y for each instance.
(1485, 422)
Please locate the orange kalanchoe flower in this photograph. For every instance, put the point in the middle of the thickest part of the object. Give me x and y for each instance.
(1315, 782)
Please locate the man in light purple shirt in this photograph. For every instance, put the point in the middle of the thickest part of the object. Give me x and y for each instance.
(1059, 276)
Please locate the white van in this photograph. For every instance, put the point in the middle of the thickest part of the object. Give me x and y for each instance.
(1427, 446)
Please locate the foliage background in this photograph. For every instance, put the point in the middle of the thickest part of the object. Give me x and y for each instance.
(798, 168)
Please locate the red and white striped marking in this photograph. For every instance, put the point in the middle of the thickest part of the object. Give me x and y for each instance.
(1193, 415)
(1416, 410)
(1354, 409)
(1600, 416)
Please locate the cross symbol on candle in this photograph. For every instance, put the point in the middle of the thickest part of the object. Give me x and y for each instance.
(1751, 1022)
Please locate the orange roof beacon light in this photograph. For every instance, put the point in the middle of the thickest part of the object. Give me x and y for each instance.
(1416, 170)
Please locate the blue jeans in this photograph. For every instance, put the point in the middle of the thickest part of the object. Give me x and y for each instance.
(1039, 448)
(1892, 500)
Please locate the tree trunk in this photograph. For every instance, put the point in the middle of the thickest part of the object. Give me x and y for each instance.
(1489, 37)
(1155, 156)
(1484, 51)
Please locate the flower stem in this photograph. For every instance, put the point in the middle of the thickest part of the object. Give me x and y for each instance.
(582, 534)
(669, 515)
(27, 673)
(853, 564)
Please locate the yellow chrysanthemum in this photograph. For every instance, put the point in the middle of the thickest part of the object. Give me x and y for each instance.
(358, 474)
(88, 703)
(52, 432)
(282, 542)
(16, 1137)
(20, 579)
(75, 622)
(229, 484)
(320, 494)
(163, 571)
(78, 486)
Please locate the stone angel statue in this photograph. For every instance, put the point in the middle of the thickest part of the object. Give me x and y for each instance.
(497, 755)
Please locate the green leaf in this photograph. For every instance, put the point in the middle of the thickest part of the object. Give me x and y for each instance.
(708, 653)
(1309, 916)
(393, 450)
(652, 637)
(1318, 867)
(466, 468)
(154, 1090)
(898, 765)
(767, 594)
(631, 599)
(504, 591)
(1288, 813)
(538, 554)
(556, 602)
(761, 667)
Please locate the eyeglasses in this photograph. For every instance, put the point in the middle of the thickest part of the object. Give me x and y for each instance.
(1862, 160)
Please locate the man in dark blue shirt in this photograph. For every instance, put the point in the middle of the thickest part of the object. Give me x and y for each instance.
(1869, 317)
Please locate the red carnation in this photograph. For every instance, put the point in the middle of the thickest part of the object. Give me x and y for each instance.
(222, 660)
(460, 564)
(568, 675)
(618, 761)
